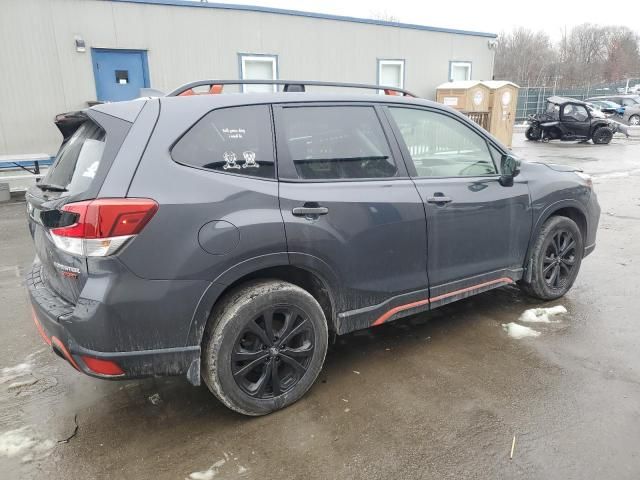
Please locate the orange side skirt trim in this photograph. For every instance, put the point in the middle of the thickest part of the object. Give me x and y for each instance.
(384, 317)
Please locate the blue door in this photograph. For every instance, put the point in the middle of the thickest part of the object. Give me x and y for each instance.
(119, 74)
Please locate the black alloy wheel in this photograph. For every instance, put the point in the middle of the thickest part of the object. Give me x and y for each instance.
(555, 260)
(273, 352)
(559, 259)
(264, 346)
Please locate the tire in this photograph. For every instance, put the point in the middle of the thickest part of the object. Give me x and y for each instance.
(634, 120)
(533, 133)
(554, 237)
(602, 136)
(240, 352)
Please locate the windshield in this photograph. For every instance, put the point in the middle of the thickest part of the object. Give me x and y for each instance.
(77, 162)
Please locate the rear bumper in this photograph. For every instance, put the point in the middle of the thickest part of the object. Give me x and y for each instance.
(49, 312)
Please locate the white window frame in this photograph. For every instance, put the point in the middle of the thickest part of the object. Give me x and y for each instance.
(273, 59)
(453, 64)
(382, 62)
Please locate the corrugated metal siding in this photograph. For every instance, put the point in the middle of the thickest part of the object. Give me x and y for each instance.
(42, 74)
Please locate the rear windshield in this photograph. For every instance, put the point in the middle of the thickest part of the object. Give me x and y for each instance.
(77, 161)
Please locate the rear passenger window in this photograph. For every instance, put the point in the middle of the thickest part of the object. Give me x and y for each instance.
(230, 140)
(336, 143)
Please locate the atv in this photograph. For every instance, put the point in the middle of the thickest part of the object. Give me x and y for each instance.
(567, 119)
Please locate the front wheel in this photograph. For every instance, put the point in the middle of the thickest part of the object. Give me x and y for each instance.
(555, 260)
(602, 136)
(533, 133)
(264, 346)
(634, 120)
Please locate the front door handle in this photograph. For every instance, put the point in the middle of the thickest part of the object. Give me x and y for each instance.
(439, 200)
(309, 211)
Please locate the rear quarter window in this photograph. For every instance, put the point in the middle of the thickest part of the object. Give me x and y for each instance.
(236, 140)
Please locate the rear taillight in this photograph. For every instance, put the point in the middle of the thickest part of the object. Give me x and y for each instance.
(103, 367)
(102, 226)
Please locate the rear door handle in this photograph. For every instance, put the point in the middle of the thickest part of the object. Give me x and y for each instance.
(436, 200)
(309, 211)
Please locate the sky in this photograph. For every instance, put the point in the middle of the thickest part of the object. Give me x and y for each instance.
(493, 16)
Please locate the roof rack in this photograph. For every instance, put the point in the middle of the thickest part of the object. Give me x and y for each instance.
(216, 86)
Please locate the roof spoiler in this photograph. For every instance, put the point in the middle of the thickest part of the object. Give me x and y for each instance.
(216, 86)
(69, 122)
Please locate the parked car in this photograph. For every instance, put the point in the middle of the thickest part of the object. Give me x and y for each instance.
(568, 119)
(222, 237)
(607, 107)
(631, 104)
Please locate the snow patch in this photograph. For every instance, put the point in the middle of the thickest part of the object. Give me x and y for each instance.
(519, 331)
(203, 475)
(542, 315)
(209, 473)
(19, 385)
(25, 442)
(8, 374)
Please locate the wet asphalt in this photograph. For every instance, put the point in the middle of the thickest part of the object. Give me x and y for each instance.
(438, 395)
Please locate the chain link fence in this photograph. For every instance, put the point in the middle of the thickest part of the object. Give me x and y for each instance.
(532, 99)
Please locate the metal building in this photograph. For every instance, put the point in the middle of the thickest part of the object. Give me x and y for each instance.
(62, 55)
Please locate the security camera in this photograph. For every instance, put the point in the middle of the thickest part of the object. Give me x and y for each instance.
(493, 44)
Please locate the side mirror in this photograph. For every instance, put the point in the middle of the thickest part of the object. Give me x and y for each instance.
(509, 169)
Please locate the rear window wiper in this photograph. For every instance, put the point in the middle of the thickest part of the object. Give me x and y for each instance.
(48, 187)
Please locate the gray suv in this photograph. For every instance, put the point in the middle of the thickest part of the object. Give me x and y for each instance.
(631, 104)
(223, 237)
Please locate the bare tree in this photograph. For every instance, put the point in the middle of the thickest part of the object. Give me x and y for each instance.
(623, 54)
(587, 54)
(524, 56)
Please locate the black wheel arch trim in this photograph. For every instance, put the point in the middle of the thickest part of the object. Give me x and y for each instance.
(547, 213)
(307, 263)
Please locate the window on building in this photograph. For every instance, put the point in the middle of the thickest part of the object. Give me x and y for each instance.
(459, 71)
(391, 73)
(441, 146)
(259, 67)
(232, 140)
(336, 143)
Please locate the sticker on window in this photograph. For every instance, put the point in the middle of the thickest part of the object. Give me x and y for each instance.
(249, 160)
(230, 159)
(234, 133)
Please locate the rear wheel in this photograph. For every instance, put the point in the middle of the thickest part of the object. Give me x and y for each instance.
(555, 260)
(602, 135)
(634, 120)
(264, 346)
(533, 133)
